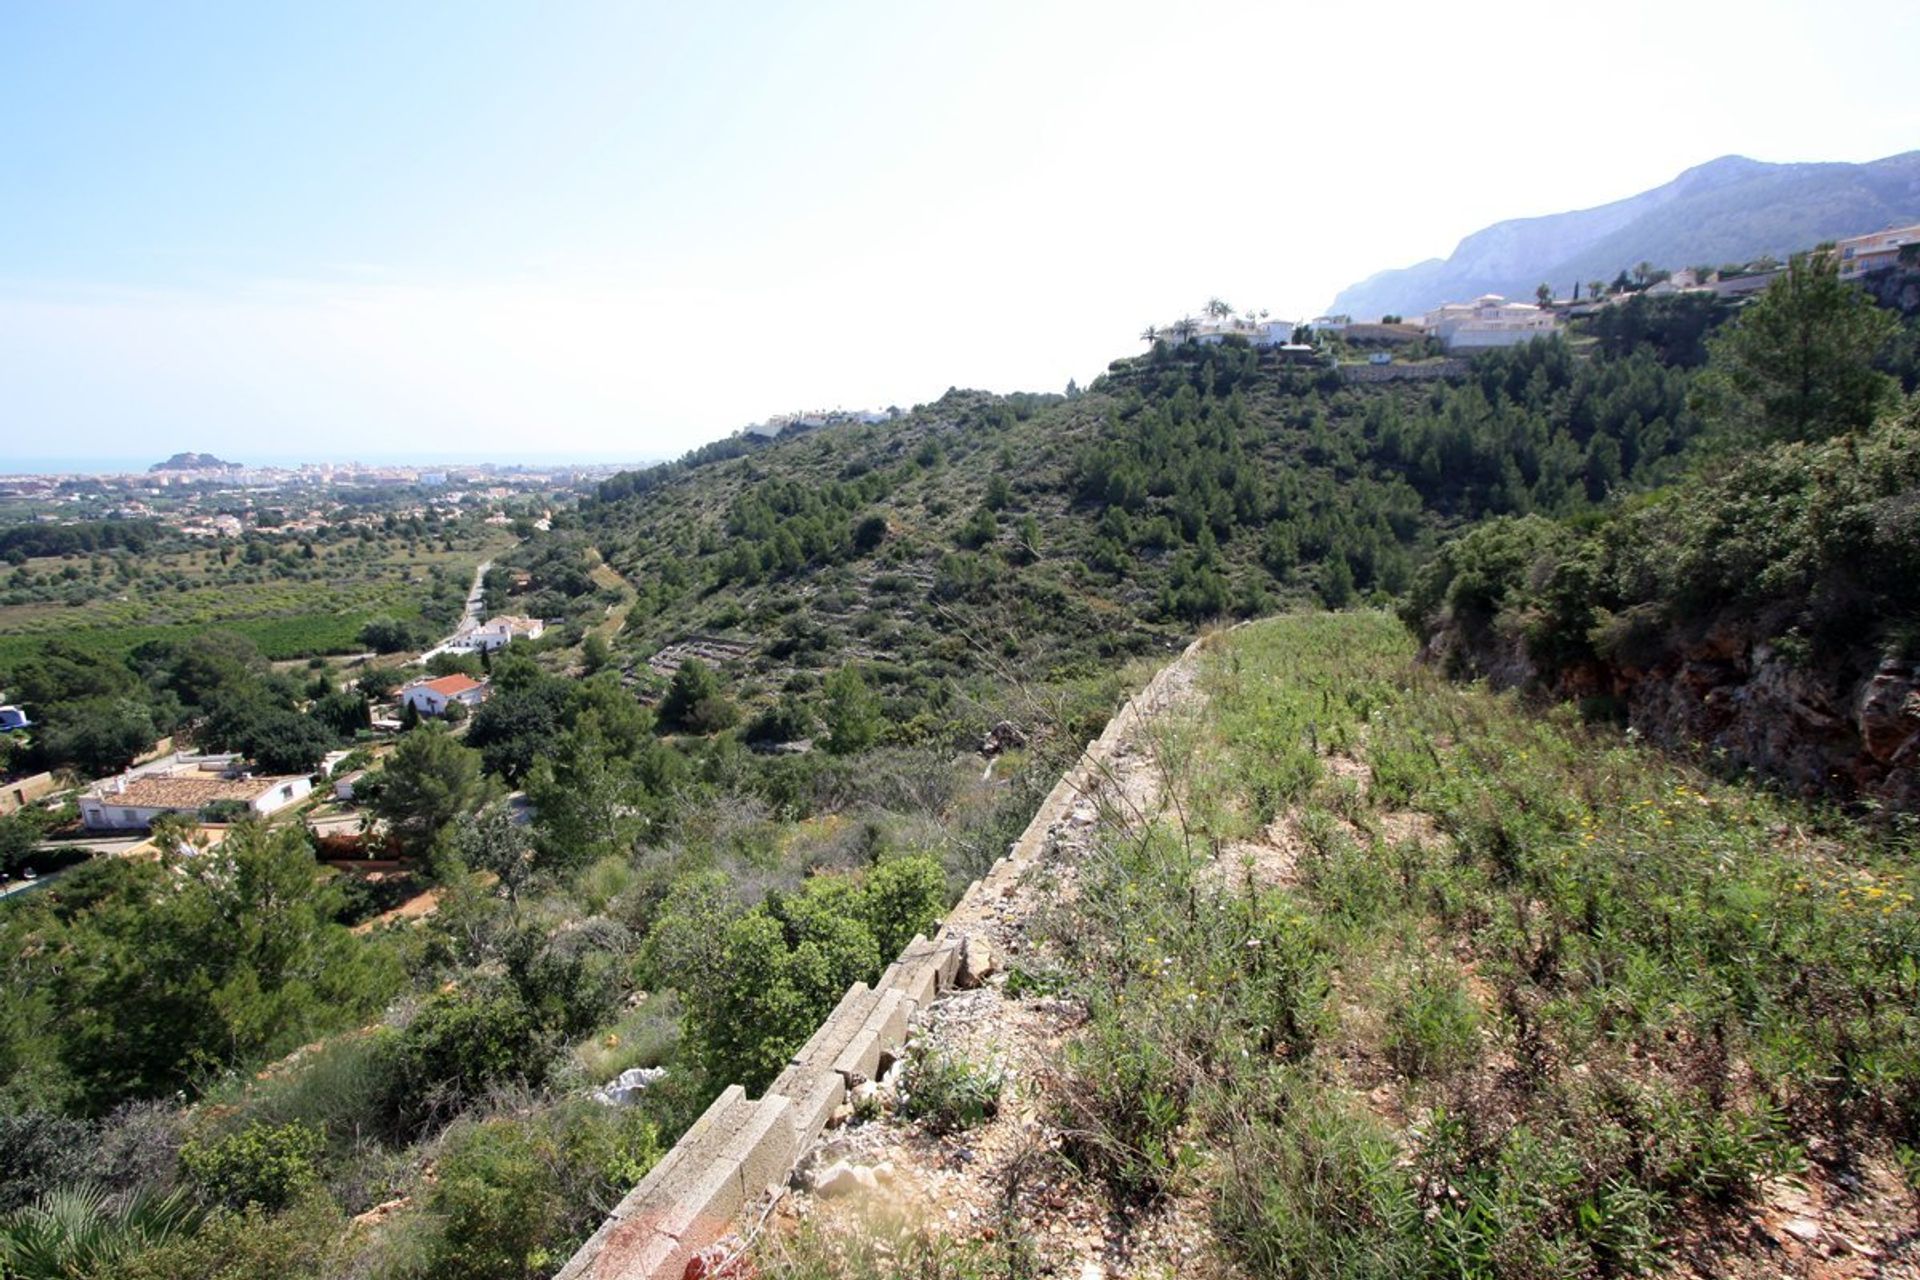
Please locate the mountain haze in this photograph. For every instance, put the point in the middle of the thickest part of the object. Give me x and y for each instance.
(1728, 210)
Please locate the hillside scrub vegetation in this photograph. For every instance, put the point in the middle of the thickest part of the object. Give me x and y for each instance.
(1058, 533)
(1761, 607)
(1413, 982)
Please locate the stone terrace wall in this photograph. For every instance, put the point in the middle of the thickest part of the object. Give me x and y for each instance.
(1428, 371)
(742, 1151)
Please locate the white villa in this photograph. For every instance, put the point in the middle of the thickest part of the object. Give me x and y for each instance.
(1489, 321)
(1212, 331)
(185, 785)
(432, 697)
(498, 633)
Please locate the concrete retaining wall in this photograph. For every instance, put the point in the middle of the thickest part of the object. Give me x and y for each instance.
(740, 1152)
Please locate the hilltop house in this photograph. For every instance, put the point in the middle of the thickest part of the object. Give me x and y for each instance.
(185, 785)
(1861, 254)
(498, 633)
(432, 697)
(1685, 280)
(1489, 321)
(1212, 331)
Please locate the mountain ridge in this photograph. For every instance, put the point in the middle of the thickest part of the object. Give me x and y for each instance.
(1731, 208)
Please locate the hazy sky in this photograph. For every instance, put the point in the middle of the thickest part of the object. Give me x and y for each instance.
(365, 229)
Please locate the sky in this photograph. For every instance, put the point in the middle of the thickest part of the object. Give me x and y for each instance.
(617, 230)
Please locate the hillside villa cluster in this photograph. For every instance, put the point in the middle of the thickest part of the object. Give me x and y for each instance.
(1494, 321)
(222, 787)
(1489, 321)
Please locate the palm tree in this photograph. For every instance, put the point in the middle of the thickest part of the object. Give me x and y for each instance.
(1544, 294)
(1594, 289)
(82, 1230)
(1218, 308)
(1184, 328)
(1149, 335)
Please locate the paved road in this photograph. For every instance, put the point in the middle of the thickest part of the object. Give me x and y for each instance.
(476, 606)
(476, 600)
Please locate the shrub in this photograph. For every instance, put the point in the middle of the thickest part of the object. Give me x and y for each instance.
(264, 1166)
(460, 1044)
(946, 1093)
(307, 1239)
(513, 1196)
(38, 1152)
(1433, 1025)
(902, 897)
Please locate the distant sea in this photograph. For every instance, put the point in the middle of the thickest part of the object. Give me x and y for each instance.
(126, 466)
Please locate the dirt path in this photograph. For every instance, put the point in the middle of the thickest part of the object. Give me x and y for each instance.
(881, 1174)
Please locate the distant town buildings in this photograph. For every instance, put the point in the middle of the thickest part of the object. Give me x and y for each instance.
(1489, 321)
(1861, 254)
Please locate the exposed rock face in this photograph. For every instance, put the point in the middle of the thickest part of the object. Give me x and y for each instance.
(1820, 731)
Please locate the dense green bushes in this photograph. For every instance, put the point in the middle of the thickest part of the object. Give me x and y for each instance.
(1819, 538)
(227, 957)
(760, 980)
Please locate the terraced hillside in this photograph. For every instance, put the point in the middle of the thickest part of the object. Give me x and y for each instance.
(1046, 535)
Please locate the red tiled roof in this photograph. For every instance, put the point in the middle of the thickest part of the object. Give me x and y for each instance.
(448, 686)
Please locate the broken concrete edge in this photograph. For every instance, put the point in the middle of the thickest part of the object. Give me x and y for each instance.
(699, 1198)
(629, 1233)
(739, 1150)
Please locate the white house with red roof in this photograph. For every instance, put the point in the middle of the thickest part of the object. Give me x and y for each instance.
(432, 697)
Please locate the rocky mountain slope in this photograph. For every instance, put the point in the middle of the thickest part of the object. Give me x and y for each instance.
(1732, 209)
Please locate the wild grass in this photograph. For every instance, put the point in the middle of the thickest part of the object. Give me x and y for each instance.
(1531, 994)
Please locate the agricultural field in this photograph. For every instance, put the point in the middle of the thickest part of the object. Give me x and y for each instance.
(292, 597)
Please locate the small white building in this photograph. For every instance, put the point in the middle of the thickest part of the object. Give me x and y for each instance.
(498, 633)
(432, 697)
(344, 784)
(1489, 321)
(132, 801)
